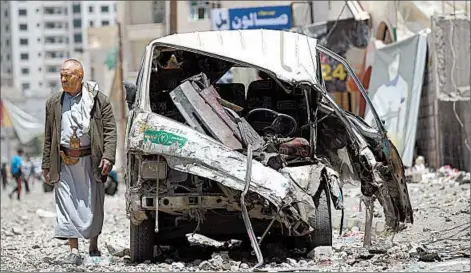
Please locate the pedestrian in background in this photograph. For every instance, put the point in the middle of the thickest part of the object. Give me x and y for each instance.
(4, 175)
(79, 152)
(16, 165)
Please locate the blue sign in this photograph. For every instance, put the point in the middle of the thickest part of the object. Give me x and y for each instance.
(274, 17)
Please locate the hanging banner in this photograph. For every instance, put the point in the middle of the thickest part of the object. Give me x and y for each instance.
(27, 127)
(395, 89)
(271, 17)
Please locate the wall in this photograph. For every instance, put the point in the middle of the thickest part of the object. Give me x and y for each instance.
(441, 139)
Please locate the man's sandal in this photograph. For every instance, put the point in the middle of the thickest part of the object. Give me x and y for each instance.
(94, 253)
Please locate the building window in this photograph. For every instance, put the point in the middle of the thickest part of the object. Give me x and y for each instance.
(115, 7)
(158, 11)
(22, 12)
(52, 84)
(25, 85)
(7, 42)
(54, 10)
(23, 41)
(77, 23)
(25, 71)
(23, 27)
(199, 10)
(90, 9)
(78, 38)
(91, 23)
(79, 50)
(7, 28)
(52, 69)
(6, 13)
(40, 83)
(76, 8)
(51, 25)
(24, 56)
(8, 57)
(105, 9)
(105, 23)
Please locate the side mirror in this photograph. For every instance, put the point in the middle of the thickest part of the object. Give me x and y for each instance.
(131, 90)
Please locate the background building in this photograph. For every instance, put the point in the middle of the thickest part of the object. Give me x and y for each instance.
(41, 34)
(143, 21)
(6, 61)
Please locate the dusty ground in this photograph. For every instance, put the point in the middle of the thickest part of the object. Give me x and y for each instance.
(441, 232)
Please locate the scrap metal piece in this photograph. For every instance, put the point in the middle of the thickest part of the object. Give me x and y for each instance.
(245, 214)
(230, 105)
(210, 95)
(369, 204)
(156, 202)
(247, 133)
(198, 111)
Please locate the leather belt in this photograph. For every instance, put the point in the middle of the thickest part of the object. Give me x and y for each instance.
(84, 151)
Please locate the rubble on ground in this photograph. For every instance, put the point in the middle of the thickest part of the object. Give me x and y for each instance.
(438, 239)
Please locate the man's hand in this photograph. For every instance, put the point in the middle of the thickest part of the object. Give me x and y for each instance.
(105, 166)
(46, 176)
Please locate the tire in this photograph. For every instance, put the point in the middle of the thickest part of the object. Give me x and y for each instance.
(321, 222)
(142, 239)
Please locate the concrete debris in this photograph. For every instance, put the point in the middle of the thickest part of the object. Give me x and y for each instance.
(117, 248)
(422, 247)
(16, 231)
(321, 253)
(45, 214)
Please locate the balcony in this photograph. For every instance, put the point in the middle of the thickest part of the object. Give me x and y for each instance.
(53, 61)
(56, 17)
(56, 47)
(145, 31)
(56, 32)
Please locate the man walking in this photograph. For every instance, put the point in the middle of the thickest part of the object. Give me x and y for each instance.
(4, 175)
(16, 165)
(79, 152)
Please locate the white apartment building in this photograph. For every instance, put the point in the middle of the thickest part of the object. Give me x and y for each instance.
(44, 33)
(6, 62)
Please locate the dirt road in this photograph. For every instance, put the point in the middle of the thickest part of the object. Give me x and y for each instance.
(439, 239)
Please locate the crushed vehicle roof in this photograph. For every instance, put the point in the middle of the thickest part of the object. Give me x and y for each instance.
(290, 56)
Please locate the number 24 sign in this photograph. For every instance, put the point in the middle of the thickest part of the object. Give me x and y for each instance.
(337, 73)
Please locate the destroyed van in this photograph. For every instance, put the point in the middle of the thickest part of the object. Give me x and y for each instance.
(265, 161)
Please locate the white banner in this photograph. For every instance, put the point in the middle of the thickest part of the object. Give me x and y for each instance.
(395, 89)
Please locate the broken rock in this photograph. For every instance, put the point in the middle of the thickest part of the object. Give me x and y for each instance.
(118, 248)
(321, 253)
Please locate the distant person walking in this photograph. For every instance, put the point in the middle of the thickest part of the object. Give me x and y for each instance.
(15, 165)
(4, 175)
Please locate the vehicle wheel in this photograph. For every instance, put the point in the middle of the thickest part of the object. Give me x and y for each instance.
(111, 187)
(321, 222)
(142, 239)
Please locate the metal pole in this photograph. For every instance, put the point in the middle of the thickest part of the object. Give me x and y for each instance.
(173, 16)
(245, 213)
(122, 106)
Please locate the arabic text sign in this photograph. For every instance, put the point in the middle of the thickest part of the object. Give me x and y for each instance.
(273, 17)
